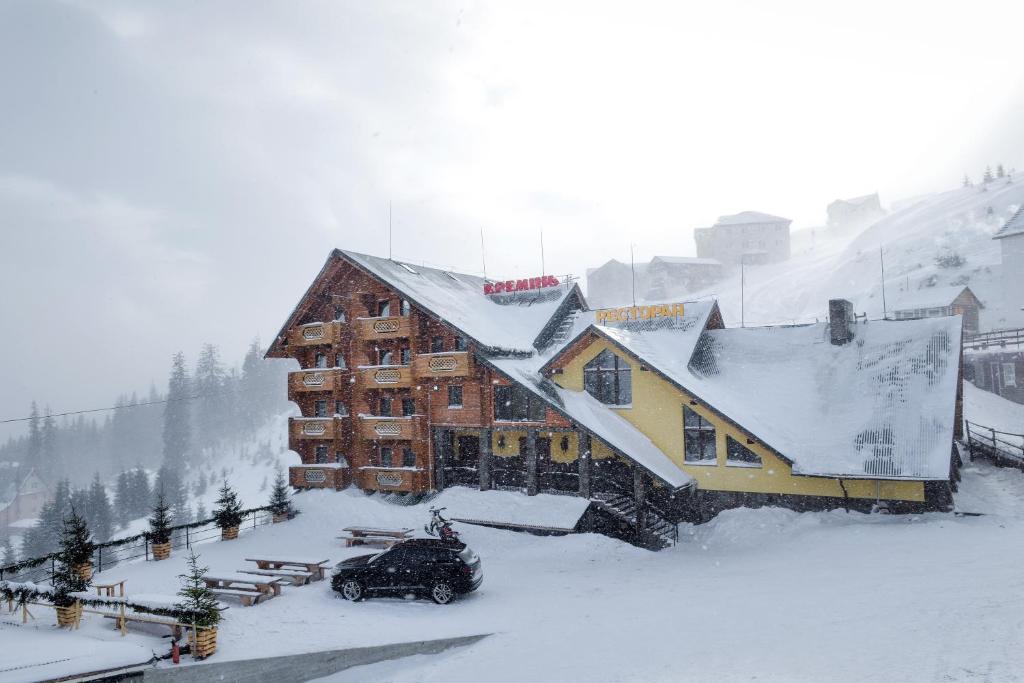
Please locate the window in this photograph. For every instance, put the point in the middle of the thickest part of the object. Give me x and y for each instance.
(339, 361)
(739, 455)
(517, 404)
(460, 343)
(339, 314)
(607, 378)
(1009, 375)
(383, 308)
(321, 360)
(404, 356)
(698, 438)
(385, 406)
(340, 408)
(386, 456)
(455, 396)
(384, 357)
(321, 455)
(341, 459)
(408, 407)
(405, 307)
(408, 457)
(320, 408)
(436, 344)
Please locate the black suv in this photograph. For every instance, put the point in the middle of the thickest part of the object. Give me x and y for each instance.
(421, 566)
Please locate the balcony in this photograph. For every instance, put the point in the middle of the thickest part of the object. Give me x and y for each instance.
(315, 334)
(319, 476)
(394, 327)
(393, 479)
(313, 428)
(314, 380)
(385, 376)
(453, 364)
(398, 428)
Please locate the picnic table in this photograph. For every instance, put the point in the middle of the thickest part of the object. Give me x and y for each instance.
(107, 587)
(308, 564)
(249, 588)
(364, 535)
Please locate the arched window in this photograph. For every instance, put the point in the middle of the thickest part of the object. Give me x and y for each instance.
(607, 378)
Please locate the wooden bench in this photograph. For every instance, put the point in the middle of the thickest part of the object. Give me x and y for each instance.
(296, 576)
(248, 597)
(245, 583)
(120, 622)
(311, 565)
(370, 540)
(107, 587)
(382, 538)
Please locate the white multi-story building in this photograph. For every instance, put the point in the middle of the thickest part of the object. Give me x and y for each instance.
(750, 237)
(1011, 243)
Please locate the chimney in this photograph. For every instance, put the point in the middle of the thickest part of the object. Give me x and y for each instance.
(840, 319)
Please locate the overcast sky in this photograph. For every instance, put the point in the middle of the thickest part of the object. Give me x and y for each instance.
(177, 172)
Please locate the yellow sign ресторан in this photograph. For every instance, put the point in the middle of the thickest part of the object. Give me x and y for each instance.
(627, 313)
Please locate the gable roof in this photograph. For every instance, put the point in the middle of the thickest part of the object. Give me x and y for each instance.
(930, 297)
(1014, 226)
(686, 260)
(458, 300)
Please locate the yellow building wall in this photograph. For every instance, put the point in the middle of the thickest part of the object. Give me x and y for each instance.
(657, 411)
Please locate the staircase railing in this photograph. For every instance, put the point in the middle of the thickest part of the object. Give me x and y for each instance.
(1004, 448)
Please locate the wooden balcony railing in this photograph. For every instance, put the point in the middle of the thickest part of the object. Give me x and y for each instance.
(315, 334)
(313, 428)
(394, 327)
(314, 380)
(392, 479)
(399, 428)
(452, 364)
(385, 376)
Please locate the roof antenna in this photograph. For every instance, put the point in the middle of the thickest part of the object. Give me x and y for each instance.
(389, 230)
(881, 260)
(542, 271)
(632, 272)
(483, 257)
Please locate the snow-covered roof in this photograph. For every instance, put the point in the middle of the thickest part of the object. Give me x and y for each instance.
(857, 201)
(880, 406)
(687, 260)
(745, 217)
(926, 297)
(1014, 226)
(458, 299)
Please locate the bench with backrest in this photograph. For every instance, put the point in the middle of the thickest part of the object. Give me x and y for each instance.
(296, 576)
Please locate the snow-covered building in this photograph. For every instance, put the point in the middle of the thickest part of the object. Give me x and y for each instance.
(750, 237)
(24, 502)
(938, 302)
(1011, 248)
(660, 279)
(415, 379)
(859, 212)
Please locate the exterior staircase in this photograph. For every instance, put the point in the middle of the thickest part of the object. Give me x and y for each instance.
(658, 532)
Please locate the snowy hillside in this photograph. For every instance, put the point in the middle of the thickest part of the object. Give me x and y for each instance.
(825, 264)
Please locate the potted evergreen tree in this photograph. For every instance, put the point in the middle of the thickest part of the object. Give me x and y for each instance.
(199, 607)
(160, 529)
(73, 570)
(280, 501)
(228, 515)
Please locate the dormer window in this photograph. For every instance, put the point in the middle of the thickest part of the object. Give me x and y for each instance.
(608, 378)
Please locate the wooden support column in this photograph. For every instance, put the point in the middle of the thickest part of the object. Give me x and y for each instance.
(441, 437)
(531, 462)
(640, 498)
(485, 459)
(585, 464)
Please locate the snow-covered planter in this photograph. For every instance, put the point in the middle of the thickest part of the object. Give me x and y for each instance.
(228, 515)
(161, 551)
(69, 616)
(84, 570)
(229, 533)
(283, 517)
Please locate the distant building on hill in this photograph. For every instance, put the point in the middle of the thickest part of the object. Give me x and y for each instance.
(1011, 248)
(27, 501)
(661, 278)
(937, 302)
(855, 213)
(751, 237)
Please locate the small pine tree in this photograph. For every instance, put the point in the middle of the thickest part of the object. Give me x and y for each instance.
(1000, 171)
(198, 604)
(160, 522)
(9, 554)
(228, 513)
(76, 548)
(280, 502)
(201, 513)
(967, 181)
(987, 178)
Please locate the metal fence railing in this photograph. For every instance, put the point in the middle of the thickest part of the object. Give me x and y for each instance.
(1004, 448)
(134, 548)
(995, 338)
